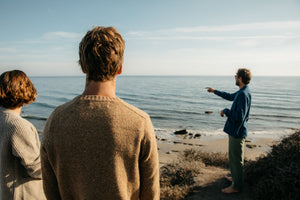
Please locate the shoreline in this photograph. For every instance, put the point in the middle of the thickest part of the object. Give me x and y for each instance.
(255, 145)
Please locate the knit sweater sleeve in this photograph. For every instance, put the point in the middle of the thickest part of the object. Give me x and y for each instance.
(149, 167)
(26, 146)
(49, 179)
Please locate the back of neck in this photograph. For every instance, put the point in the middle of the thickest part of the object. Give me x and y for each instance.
(105, 89)
(17, 110)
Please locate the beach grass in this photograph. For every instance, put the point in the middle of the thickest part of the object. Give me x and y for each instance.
(217, 159)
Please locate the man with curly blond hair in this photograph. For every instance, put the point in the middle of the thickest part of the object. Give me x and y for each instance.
(97, 146)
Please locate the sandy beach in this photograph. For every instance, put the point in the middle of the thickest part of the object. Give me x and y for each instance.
(254, 146)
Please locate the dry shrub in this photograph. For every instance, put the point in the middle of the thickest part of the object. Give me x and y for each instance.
(277, 175)
(174, 192)
(217, 159)
(177, 178)
(179, 173)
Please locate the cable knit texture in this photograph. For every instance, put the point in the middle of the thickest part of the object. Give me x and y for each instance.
(97, 147)
(20, 165)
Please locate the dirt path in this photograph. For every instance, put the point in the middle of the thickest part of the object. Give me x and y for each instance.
(209, 184)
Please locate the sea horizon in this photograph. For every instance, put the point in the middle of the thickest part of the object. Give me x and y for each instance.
(157, 75)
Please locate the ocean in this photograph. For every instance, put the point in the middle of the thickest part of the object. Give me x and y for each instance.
(181, 102)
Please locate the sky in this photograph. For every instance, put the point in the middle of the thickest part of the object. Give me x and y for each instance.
(163, 37)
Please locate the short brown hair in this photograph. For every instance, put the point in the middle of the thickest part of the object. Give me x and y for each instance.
(101, 53)
(245, 74)
(16, 89)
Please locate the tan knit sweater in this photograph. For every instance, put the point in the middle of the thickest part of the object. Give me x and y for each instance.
(97, 147)
(20, 167)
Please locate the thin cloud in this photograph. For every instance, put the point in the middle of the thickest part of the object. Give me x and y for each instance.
(48, 37)
(219, 37)
(279, 29)
(8, 50)
(61, 34)
(275, 25)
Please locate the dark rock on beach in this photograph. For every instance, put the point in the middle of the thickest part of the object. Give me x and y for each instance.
(181, 132)
(251, 146)
(176, 142)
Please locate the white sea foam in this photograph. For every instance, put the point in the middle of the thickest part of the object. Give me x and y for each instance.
(168, 134)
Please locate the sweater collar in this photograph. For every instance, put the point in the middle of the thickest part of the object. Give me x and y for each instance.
(99, 98)
(8, 111)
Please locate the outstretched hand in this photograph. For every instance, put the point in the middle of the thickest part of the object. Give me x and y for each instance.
(222, 113)
(209, 89)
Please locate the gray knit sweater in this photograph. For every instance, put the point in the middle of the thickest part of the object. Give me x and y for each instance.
(20, 167)
(97, 147)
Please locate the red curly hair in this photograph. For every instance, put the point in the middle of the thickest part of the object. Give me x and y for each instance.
(16, 89)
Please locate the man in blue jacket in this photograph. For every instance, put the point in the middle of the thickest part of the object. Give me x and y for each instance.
(236, 127)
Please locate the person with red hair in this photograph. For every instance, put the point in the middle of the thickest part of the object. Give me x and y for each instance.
(20, 165)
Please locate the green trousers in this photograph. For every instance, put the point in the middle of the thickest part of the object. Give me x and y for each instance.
(236, 161)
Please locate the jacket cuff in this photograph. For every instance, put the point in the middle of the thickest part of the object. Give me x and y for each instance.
(226, 111)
